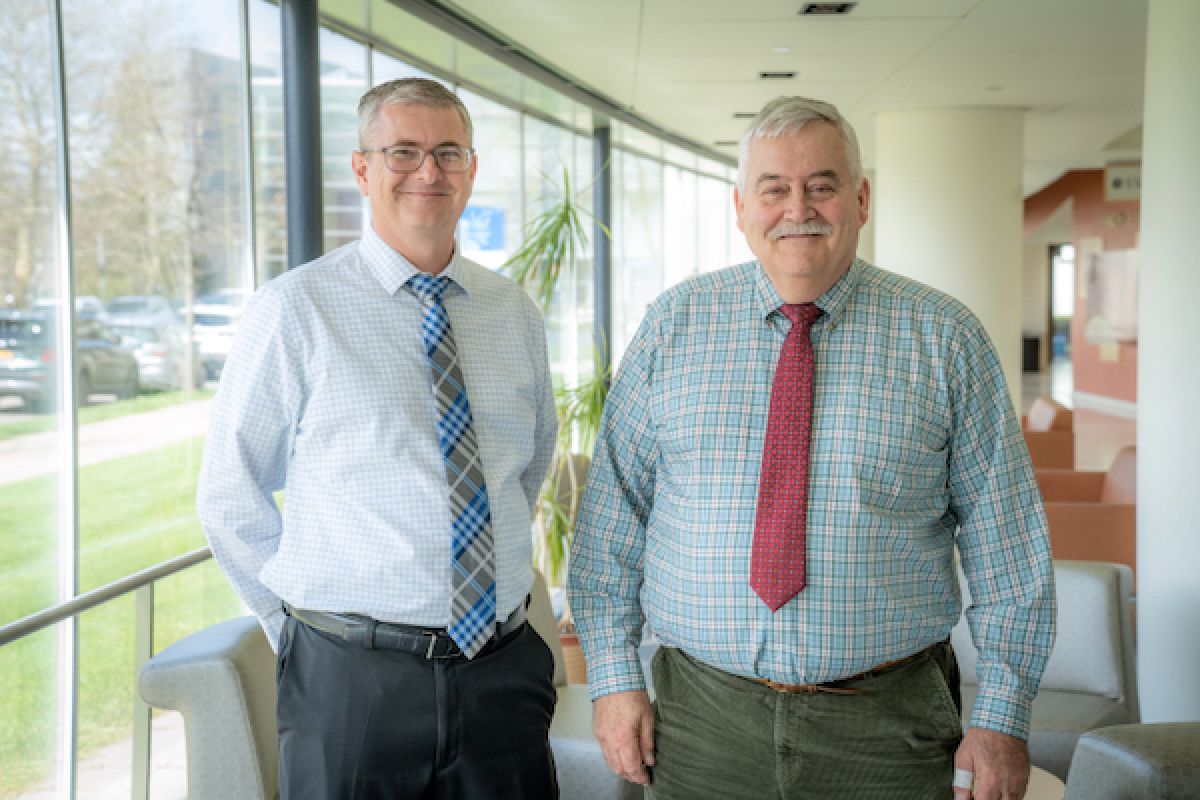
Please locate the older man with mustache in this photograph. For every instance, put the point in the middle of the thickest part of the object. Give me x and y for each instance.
(791, 455)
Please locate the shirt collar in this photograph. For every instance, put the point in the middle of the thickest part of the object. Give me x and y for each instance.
(393, 270)
(833, 302)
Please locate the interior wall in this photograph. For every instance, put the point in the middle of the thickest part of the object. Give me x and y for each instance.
(1103, 371)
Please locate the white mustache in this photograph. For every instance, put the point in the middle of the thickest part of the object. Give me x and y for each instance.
(799, 229)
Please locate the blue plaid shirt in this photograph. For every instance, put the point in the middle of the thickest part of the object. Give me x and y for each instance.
(915, 450)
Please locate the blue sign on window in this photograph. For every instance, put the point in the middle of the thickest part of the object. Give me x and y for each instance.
(482, 228)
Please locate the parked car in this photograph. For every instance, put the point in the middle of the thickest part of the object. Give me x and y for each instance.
(212, 328)
(143, 306)
(85, 305)
(28, 358)
(161, 351)
(234, 298)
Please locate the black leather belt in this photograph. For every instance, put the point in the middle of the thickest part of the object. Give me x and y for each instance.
(375, 635)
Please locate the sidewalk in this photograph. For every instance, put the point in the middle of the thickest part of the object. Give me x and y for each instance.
(35, 455)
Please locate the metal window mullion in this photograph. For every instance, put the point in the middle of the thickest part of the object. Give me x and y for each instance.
(68, 475)
(602, 247)
(250, 248)
(302, 129)
(143, 650)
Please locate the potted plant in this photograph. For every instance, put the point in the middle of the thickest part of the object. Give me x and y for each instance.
(553, 241)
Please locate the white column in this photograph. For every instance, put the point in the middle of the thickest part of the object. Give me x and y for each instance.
(1168, 514)
(948, 211)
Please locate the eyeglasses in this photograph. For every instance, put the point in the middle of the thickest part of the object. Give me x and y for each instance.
(406, 158)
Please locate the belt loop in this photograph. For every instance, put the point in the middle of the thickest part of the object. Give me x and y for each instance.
(432, 643)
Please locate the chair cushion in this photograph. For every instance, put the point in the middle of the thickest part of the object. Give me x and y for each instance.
(222, 679)
(1146, 762)
(1048, 415)
(1120, 483)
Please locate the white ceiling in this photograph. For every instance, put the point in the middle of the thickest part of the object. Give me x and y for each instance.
(1076, 66)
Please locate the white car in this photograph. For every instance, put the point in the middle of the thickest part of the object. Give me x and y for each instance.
(212, 330)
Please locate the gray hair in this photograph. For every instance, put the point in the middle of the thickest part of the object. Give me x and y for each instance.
(409, 91)
(785, 115)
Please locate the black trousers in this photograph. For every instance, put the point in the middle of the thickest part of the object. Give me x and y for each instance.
(366, 724)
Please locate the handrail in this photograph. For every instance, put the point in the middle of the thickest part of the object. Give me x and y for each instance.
(88, 600)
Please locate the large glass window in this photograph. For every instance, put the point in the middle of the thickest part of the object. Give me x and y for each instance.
(551, 151)
(164, 256)
(491, 227)
(343, 81)
(638, 246)
(681, 210)
(270, 173)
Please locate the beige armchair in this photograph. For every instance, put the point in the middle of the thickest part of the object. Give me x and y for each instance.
(1092, 515)
(1090, 680)
(222, 679)
(1049, 429)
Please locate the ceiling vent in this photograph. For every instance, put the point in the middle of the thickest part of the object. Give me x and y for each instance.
(726, 142)
(777, 76)
(827, 9)
(745, 114)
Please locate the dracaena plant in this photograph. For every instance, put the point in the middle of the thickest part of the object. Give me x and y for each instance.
(553, 242)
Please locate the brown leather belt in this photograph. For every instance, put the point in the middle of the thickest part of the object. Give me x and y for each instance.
(835, 687)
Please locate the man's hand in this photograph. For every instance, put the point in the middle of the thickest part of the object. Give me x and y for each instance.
(1000, 763)
(624, 724)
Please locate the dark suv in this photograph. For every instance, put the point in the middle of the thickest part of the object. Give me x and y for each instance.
(28, 357)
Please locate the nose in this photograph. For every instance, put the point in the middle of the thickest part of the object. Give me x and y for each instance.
(429, 171)
(801, 207)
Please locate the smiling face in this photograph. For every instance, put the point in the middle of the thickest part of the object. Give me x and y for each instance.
(415, 213)
(801, 209)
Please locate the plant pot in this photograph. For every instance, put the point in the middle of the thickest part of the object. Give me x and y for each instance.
(573, 661)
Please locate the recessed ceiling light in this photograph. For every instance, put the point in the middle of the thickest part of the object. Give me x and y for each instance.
(827, 8)
(781, 49)
(777, 76)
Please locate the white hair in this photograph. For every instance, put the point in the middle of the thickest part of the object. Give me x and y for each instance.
(785, 115)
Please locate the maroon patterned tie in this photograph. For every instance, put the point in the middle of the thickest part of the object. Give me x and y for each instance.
(777, 568)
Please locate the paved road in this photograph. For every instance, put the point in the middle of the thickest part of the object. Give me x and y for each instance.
(32, 456)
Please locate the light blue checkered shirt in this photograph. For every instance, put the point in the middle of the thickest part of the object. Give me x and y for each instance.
(914, 439)
(327, 395)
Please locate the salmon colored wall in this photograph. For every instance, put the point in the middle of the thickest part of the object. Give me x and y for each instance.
(1117, 225)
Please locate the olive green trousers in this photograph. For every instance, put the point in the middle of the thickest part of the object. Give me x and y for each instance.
(724, 737)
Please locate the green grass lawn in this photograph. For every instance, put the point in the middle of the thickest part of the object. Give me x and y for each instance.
(134, 512)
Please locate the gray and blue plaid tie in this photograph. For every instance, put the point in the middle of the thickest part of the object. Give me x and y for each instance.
(473, 603)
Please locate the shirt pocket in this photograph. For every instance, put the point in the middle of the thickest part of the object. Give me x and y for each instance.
(903, 435)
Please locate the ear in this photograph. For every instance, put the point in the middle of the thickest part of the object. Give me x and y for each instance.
(864, 202)
(739, 208)
(358, 163)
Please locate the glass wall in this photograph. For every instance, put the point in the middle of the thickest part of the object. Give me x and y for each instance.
(343, 81)
(177, 184)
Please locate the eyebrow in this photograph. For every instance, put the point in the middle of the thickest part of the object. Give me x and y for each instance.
(769, 177)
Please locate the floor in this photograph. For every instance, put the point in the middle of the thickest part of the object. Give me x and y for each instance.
(1098, 436)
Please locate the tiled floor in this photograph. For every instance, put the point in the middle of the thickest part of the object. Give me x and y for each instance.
(1098, 436)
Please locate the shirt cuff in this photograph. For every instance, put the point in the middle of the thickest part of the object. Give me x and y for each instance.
(1002, 713)
(611, 672)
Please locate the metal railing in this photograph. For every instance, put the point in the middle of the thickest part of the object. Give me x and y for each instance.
(141, 585)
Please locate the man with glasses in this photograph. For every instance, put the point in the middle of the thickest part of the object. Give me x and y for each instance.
(792, 454)
(400, 396)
